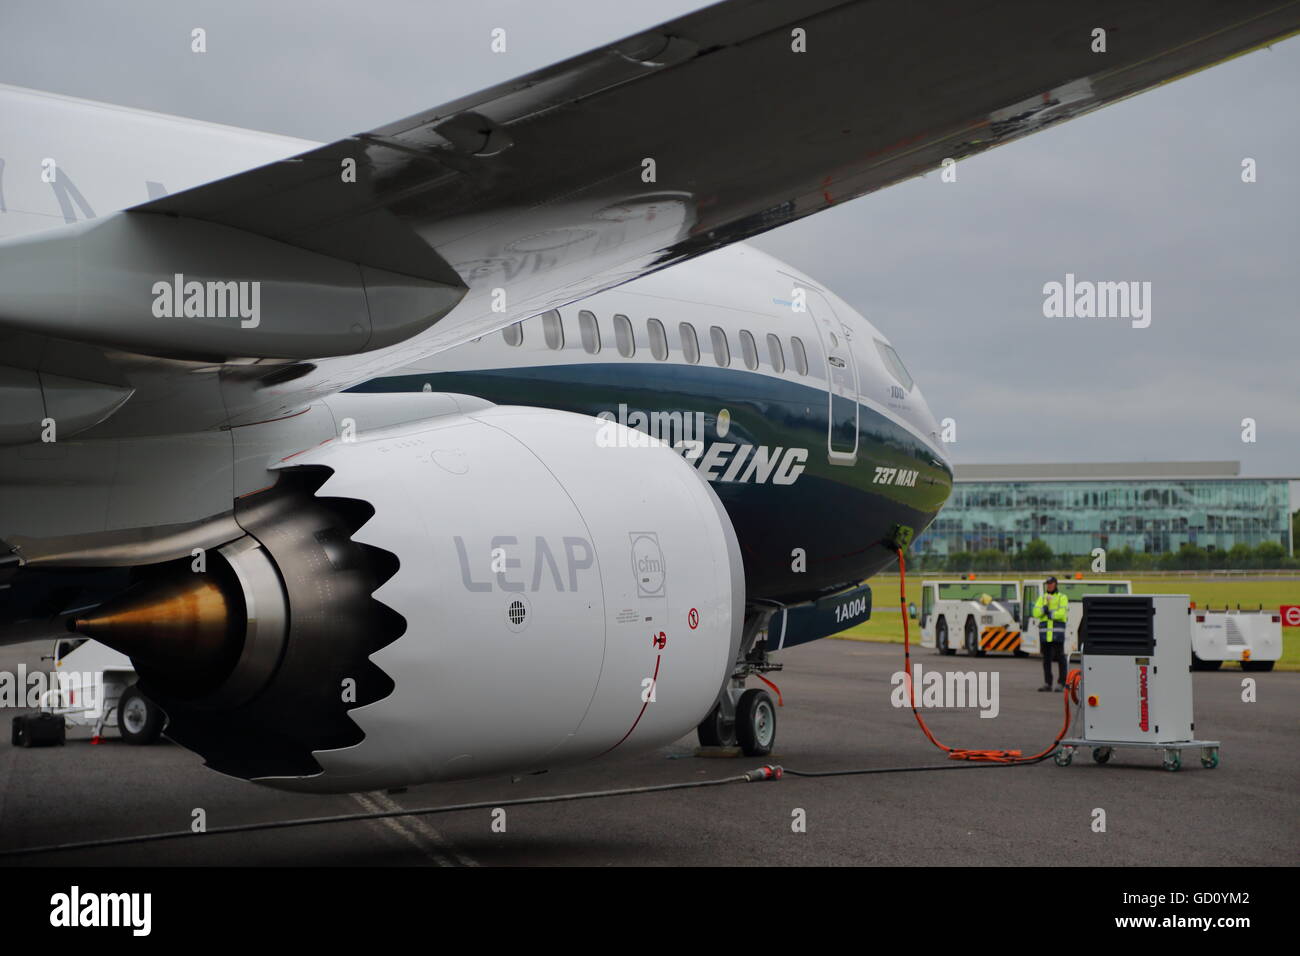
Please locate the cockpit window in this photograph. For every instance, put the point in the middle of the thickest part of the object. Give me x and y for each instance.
(894, 364)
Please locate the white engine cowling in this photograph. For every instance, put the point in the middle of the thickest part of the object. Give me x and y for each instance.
(562, 597)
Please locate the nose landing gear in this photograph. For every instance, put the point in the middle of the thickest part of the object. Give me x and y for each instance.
(745, 718)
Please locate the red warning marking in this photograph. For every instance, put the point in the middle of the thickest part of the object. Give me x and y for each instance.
(644, 704)
(693, 619)
(660, 640)
(779, 701)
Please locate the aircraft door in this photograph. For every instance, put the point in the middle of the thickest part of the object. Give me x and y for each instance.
(841, 381)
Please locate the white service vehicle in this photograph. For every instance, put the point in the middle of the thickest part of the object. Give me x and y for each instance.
(1252, 638)
(1074, 589)
(980, 616)
(111, 699)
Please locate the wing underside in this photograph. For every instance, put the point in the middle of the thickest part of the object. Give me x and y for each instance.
(695, 134)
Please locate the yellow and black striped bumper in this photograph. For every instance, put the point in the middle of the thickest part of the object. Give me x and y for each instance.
(999, 639)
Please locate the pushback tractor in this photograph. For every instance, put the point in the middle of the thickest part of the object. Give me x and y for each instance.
(978, 616)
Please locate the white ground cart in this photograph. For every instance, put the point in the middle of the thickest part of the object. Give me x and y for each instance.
(979, 616)
(1252, 638)
(137, 718)
(1136, 686)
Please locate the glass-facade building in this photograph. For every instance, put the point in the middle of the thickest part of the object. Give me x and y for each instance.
(1149, 506)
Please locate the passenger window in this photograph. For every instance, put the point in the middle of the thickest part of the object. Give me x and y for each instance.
(553, 330)
(775, 352)
(658, 339)
(721, 350)
(690, 343)
(513, 333)
(800, 356)
(748, 349)
(623, 336)
(589, 332)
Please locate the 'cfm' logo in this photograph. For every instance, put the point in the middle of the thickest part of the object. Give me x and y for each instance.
(648, 564)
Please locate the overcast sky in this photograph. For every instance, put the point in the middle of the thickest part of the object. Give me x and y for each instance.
(1148, 189)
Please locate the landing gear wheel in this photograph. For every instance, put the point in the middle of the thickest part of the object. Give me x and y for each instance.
(941, 638)
(1210, 758)
(756, 722)
(973, 639)
(1173, 760)
(1064, 756)
(713, 731)
(138, 718)
(1101, 754)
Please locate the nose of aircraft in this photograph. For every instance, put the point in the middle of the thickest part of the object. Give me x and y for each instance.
(928, 425)
(932, 444)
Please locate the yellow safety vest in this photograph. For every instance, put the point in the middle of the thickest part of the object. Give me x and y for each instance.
(1056, 610)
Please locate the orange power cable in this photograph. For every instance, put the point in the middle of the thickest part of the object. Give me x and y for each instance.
(1071, 692)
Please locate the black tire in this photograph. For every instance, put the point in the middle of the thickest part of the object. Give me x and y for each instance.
(973, 639)
(138, 718)
(1019, 653)
(756, 722)
(1202, 665)
(1257, 665)
(714, 732)
(941, 638)
(38, 730)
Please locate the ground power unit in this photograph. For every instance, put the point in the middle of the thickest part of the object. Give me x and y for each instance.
(1136, 687)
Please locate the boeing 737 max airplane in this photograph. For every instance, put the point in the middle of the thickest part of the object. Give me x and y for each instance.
(442, 450)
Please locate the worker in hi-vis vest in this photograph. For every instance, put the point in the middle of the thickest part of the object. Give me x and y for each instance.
(1050, 611)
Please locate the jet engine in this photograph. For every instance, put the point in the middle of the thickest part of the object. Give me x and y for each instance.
(502, 591)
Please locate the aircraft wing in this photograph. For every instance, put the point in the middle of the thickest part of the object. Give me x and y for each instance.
(703, 131)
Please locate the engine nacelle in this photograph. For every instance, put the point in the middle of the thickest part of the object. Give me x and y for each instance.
(547, 597)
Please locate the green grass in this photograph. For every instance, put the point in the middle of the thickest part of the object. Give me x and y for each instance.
(887, 627)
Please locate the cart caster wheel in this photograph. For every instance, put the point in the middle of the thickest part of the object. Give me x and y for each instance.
(1210, 759)
(1101, 754)
(1063, 757)
(1173, 760)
